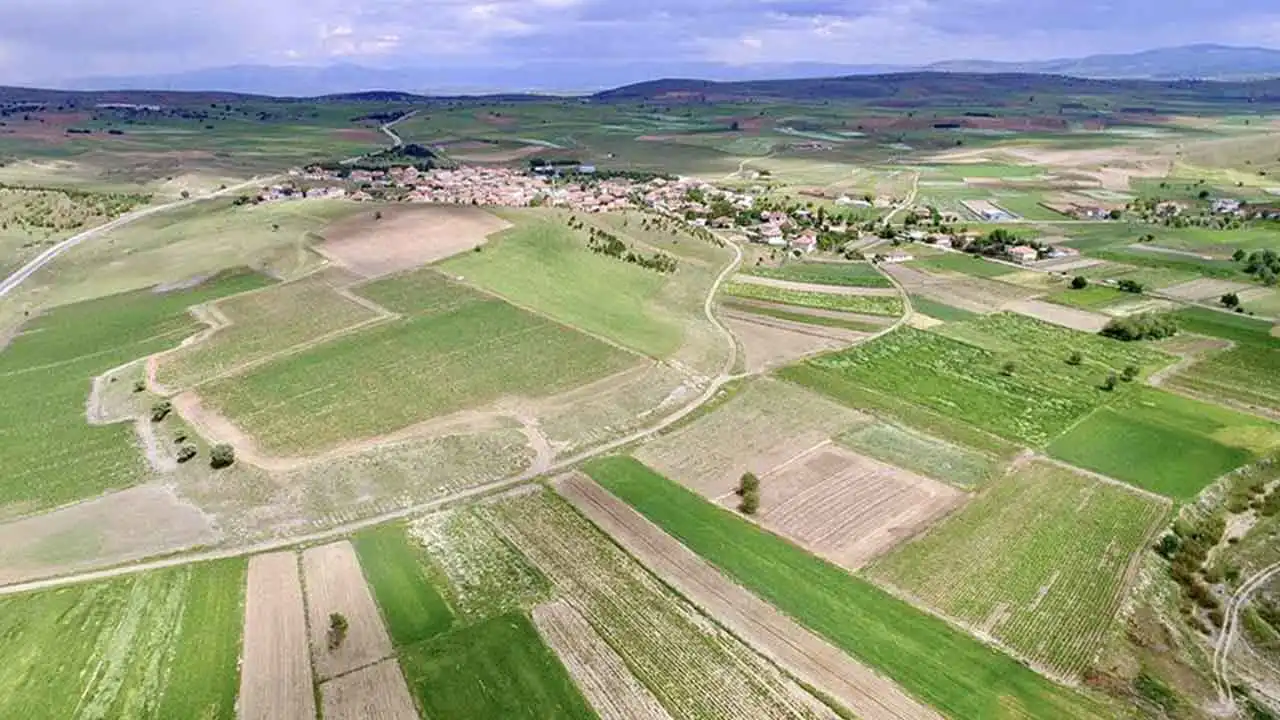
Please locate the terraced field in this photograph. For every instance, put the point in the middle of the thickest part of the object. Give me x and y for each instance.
(868, 304)
(153, 646)
(51, 454)
(459, 349)
(1039, 561)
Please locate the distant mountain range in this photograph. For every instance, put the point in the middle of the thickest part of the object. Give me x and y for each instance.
(1206, 62)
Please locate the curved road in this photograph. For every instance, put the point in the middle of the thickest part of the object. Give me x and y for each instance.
(1236, 605)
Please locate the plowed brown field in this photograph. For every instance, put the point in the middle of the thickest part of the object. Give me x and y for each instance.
(377, 692)
(275, 672)
(335, 584)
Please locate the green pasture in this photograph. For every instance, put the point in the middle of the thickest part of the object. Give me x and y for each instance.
(158, 645)
(916, 650)
(470, 350)
(867, 304)
(824, 273)
(397, 571)
(1133, 440)
(52, 455)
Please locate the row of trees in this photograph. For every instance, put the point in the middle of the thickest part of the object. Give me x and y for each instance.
(1262, 264)
(606, 243)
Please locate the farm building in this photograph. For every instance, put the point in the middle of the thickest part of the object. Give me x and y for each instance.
(1023, 254)
(805, 243)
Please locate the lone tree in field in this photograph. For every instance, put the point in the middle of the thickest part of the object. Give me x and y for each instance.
(750, 502)
(337, 630)
(222, 455)
(1230, 300)
(1079, 282)
(748, 483)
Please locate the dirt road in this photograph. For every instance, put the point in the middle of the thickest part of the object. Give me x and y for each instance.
(1222, 650)
(806, 656)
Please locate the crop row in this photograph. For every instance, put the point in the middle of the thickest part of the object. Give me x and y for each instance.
(869, 304)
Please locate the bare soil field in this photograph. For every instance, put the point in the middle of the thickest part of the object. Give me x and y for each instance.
(768, 423)
(600, 673)
(117, 528)
(815, 287)
(1204, 289)
(847, 507)
(406, 237)
(1111, 167)
(275, 670)
(967, 293)
(770, 342)
(1067, 317)
(817, 312)
(335, 584)
(377, 692)
(806, 656)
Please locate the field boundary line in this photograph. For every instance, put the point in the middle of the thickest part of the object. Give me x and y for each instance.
(1150, 494)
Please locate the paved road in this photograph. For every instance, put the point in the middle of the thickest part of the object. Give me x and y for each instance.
(46, 257)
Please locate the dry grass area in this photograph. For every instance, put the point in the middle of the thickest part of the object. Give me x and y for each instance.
(377, 692)
(275, 669)
(1205, 289)
(1068, 317)
(967, 293)
(849, 508)
(807, 657)
(600, 673)
(406, 237)
(768, 423)
(1142, 305)
(335, 584)
(770, 342)
(121, 527)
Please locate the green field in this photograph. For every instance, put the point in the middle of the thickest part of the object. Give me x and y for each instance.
(1248, 374)
(1094, 297)
(824, 273)
(963, 264)
(921, 653)
(1041, 398)
(1131, 441)
(850, 323)
(1228, 326)
(464, 350)
(264, 324)
(867, 304)
(397, 573)
(544, 265)
(926, 455)
(497, 668)
(159, 645)
(51, 454)
(1038, 560)
(941, 311)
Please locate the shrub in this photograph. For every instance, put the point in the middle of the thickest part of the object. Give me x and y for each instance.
(1130, 286)
(1110, 383)
(1142, 326)
(139, 386)
(222, 455)
(337, 630)
(1079, 282)
(161, 410)
(1230, 300)
(180, 436)
(750, 502)
(186, 452)
(1168, 545)
(1155, 691)
(1075, 358)
(749, 483)
(1008, 368)
(1130, 373)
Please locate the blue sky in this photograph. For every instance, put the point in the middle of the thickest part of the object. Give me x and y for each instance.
(45, 40)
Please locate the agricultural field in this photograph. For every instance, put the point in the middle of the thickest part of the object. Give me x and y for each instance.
(163, 644)
(919, 452)
(53, 454)
(823, 273)
(402, 238)
(255, 327)
(916, 650)
(396, 569)
(1130, 440)
(963, 264)
(1247, 376)
(1040, 561)
(1094, 297)
(1031, 402)
(940, 311)
(464, 350)
(868, 304)
(965, 292)
(842, 321)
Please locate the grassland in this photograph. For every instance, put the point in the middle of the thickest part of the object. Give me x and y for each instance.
(868, 304)
(1039, 561)
(52, 454)
(461, 349)
(158, 645)
(1131, 440)
(1039, 399)
(495, 668)
(396, 569)
(824, 273)
(963, 264)
(543, 264)
(918, 651)
(926, 455)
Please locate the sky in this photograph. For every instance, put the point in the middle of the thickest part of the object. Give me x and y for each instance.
(52, 40)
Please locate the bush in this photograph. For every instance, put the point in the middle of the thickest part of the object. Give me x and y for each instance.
(186, 452)
(1155, 691)
(1143, 326)
(1008, 368)
(139, 386)
(1079, 282)
(161, 410)
(1110, 383)
(1075, 358)
(750, 502)
(1130, 373)
(337, 630)
(1130, 286)
(749, 483)
(180, 437)
(222, 455)
(1168, 546)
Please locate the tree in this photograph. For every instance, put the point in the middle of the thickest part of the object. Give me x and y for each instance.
(1079, 282)
(338, 627)
(1168, 545)
(1110, 383)
(1130, 373)
(750, 502)
(1129, 286)
(161, 410)
(1239, 255)
(222, 455)
(1230, 300)
(1141, 326)
(1075, 358)
(747, 484)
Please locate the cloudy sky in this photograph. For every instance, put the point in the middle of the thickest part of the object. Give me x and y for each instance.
(48, 40)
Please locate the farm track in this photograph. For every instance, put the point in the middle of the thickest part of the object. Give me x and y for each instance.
(1222, 649)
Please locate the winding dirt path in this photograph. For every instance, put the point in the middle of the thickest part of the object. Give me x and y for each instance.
(1222, 650)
